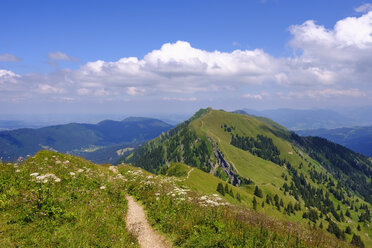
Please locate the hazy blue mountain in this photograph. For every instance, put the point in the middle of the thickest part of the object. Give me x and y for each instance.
(358, 139)
(76, 138)
(16, 124)
(361, 116)
(296, 119)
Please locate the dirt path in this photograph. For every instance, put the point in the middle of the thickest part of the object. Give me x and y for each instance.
(188, 173)
(137, 224)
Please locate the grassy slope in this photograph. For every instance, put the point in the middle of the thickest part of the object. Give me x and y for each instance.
(265, 174)
(82, 210)
(86, 208)
(193, 220)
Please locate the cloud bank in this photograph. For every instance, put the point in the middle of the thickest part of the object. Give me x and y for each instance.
(327, 63)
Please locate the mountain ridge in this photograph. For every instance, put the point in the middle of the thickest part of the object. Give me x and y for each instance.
(79, 137)
(358, 139)
(249, 152)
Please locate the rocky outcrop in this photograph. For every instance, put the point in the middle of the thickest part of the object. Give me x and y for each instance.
(234, 180)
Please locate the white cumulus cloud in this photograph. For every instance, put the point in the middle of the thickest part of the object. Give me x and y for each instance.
(327, 62)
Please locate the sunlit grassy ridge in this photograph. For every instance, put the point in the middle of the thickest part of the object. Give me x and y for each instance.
(265, 174)
(55, 200)
(300, 178)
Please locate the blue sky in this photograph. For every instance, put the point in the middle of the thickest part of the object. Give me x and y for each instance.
(177, 56)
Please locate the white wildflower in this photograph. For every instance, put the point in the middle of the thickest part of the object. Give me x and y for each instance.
(44, 178)
(204, 197)
(113, 169)
(80, 170)
(72, 173)
(102, 187)
(18, 170)
(34, 174)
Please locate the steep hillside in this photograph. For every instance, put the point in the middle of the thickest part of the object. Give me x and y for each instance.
(358, 139)
(269, 162)
(86, 140)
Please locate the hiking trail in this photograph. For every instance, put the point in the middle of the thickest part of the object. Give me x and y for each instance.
(137, 224)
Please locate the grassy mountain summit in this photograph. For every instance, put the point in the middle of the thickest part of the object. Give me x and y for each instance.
(307, 180)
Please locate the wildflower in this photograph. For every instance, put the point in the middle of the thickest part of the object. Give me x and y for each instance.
(18, 170)
(34, 174)
(44, 178)
(102, 187)
(72, 173)
(80, 170)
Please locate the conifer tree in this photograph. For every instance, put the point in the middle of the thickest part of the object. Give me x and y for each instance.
(347, 213)
(226, 188)
(258, 192)
(231, 193)
(237, 196)
(357, 241)
(254, 201)
(220, 189)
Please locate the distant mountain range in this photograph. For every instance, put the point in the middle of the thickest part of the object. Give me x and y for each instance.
(296, 119)
(85, 140)
(358, 139)
(15, 124)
